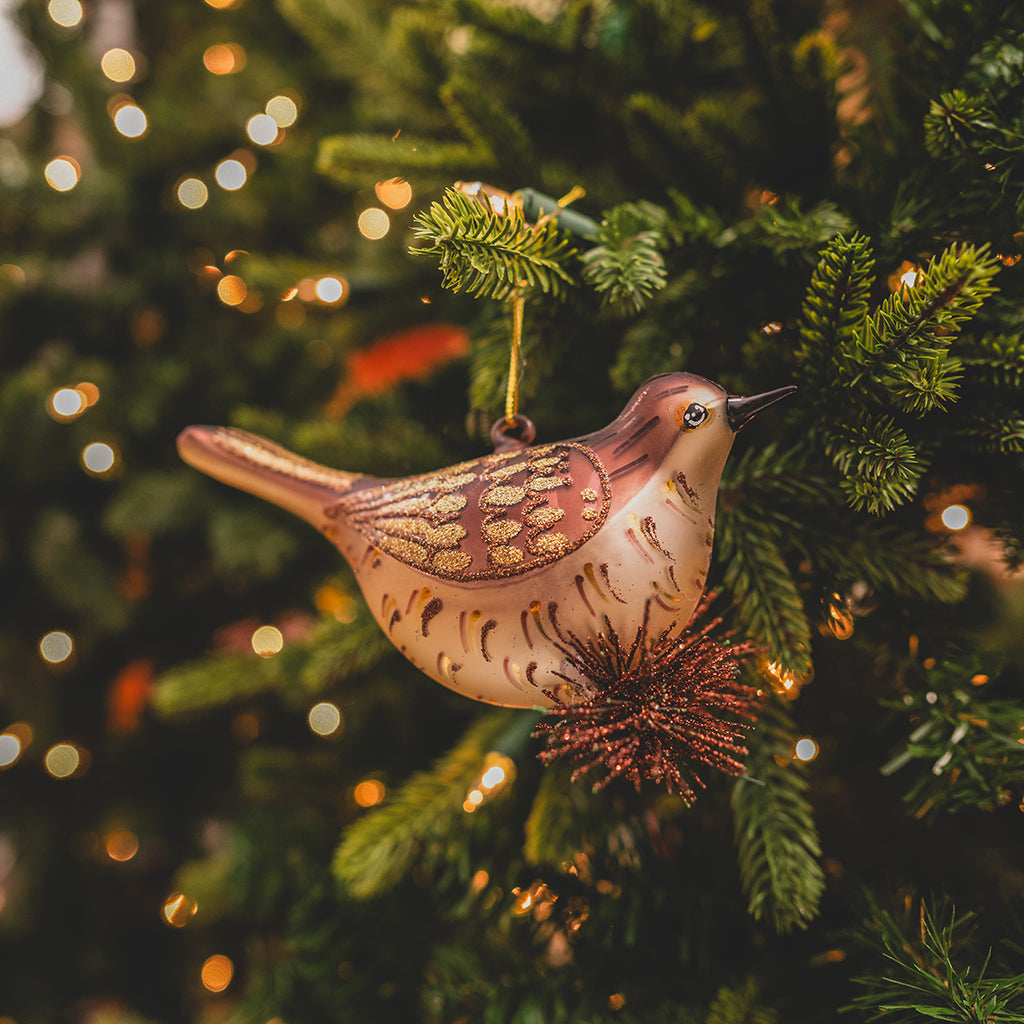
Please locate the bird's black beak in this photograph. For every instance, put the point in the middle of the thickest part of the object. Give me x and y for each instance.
(739, 410)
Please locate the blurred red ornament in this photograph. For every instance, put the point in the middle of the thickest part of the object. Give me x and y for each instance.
(406, 355)
(128, 696)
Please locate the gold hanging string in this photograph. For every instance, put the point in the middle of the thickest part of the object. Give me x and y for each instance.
(512, 392)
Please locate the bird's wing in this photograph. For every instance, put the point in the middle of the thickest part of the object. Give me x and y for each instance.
(498, 516)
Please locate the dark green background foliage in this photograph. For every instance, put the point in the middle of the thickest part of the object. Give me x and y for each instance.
(758, 176)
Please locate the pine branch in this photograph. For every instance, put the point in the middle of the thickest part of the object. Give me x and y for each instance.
(776, 838)
(834, 308)
(626, 266)
(920, 322)
(379, 850)
(918, 974)
(490, 255)
(740, 1005)
(488, 125)
(965, 748)
(767, 604)
(332, 652)
(351, 159)
(956, 126)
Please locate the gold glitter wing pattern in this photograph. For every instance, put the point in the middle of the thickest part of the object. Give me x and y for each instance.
(498, 516)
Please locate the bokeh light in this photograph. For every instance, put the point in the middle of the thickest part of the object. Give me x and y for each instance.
(283, 109)
(224, 58)
(66, 13)
(99, 458)
(231, 290)
(395, 193)
(118, 65)
(374, 223)
(955, 517)
(130, 121)
(223, 5)
(121, 844)
(56, 647)
(806, 749)
(178, 910)
(67, 403)
(262, 129)
(192, 194)
(10, 749)
(230, 175)
(62, 760)
(62, 173)
(324, 718)
(217, 970)
(267, 641)
(369, 793)
(330, 289)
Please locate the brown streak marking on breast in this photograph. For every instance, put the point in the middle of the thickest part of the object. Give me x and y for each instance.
(488, 626)
(433, 606)
(582, 593)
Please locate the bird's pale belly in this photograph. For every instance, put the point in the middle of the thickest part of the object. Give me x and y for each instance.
(505, 642)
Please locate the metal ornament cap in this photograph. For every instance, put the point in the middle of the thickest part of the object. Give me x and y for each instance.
(739, 410)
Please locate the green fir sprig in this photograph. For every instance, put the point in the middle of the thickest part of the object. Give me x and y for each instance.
(776, 836)
(929, 968)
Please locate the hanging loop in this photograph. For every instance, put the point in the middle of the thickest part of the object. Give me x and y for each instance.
(503, 438)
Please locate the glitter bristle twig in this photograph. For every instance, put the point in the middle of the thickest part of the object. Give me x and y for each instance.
(660, 707)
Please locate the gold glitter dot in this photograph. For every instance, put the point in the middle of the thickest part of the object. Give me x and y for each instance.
(506, 555)
(589, 514)
(588, 494)
(546, 483)
(504, 495)
(543, 518)
(407, 526)
(449, 503)
(550, 544)
(407, 550)
(548, 464)
(501, 529)
(504, 472)
(446, 536)
(451, 561)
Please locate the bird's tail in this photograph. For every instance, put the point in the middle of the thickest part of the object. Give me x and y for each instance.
(261, 467)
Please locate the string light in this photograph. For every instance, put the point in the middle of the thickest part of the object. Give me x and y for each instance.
(374, 223)
(395, 193)
(906, 276)
(63, 760)
(62, 173)
(283, 109)
(130, 121)
(536, 898)
(66, 13)
(806, 749)
(118, 65)
(99, 458)
(218, 970)
(955, 517)
(10, 749)
(330, 289)
(224, 58)
(66, 404)
(231, 290)
(840, 619)
(230, 174)
(498, 772)
(267, 641)
(56, 647)
(121, 844)
(178, 910)
(369, 793)
(192, 193)
(324, 718)
(262, 129)
(784, 681)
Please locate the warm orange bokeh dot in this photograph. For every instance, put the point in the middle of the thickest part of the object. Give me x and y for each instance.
(217, 973)
(178, 910)
(224, 58)
(120, 844)
(369, 793)
(231, 290)
(395, 192)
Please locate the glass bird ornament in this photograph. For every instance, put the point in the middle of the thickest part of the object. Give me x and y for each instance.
(481, 573)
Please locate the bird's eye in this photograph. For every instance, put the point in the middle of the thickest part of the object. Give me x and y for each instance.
(694, 416)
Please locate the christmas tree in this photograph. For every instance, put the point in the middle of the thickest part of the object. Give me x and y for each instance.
(369, 231)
